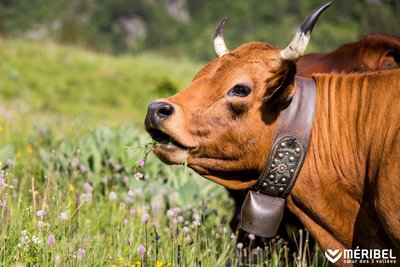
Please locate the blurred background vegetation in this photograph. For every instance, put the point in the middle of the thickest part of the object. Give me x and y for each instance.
(185, 27)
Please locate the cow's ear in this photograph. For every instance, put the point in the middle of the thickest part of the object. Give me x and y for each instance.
(280, 86)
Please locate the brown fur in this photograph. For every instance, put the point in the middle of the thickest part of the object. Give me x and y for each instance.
(346, 192)
(371, 53)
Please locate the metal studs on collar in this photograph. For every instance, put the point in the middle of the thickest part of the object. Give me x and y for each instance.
(286, 156)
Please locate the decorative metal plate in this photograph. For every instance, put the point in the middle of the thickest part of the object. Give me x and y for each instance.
(283, 167)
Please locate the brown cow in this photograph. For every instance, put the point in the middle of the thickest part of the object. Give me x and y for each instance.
(223, 125)
(371, 53)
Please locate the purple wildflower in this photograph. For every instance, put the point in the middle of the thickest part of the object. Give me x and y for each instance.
(41, 213)
(239, 245)
(82, 168)
(170, 213)
(9, 163)
(252, 237)
(141, 249)
(145, 217)
(51, 240)
(40, 224)
(87, 187)
(133, 212)
(2, 182)
(141, 163)
(63, 216)
(81, 253)
(112, 196)
(224, 230)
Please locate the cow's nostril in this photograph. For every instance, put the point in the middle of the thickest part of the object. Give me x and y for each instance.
(157, 113)
(165, 110)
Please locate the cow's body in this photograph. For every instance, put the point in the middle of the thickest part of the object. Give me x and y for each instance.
(346, 192)
(223, 125)
(371, 53)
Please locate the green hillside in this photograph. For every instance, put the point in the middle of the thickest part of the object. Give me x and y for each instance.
(63, 82)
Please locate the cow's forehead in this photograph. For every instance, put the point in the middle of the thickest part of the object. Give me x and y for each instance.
(254, 52)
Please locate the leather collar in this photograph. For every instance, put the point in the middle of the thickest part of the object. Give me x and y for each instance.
(262, 210)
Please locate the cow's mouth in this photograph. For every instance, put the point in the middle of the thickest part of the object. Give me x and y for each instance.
(167, 148)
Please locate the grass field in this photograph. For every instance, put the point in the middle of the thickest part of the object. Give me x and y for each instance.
(73, 191)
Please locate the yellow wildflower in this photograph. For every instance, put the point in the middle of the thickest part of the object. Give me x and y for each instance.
(159, 264)
(30, 150)
(18, 155)
(71, 188)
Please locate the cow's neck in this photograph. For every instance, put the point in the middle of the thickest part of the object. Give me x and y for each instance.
(329, 190)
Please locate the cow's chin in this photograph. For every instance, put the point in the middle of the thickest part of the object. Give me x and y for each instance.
(170, 153)
(231, 184)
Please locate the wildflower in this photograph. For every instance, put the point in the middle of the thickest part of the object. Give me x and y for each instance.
(51, 240)
(133, 212)
(252, 237)
(141, 249)
(176, 210)
(239, 245)
(87, 187)
(87, 197)
(9, 163)
(40, 224)
(185, 229)
(233, 236)
(141, 163)
(112, 196)
(117, 167)
(71, 188)
(74, 162)
(81, 253)
(63, 216)
(138, 175)
(163, 191)
(82, 168)
(224, 230)
(125, 179)
(41, 213)
(170, 213)
(125, 221)
(122, 205)
(2, 182)
(180, 219)
(187, 239)
(145, 217)
(24, 232)
(159, 264)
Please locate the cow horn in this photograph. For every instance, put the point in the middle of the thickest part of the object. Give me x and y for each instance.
(299, 43)
(219, 43)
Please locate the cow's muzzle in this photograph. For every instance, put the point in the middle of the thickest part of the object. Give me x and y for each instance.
(157, 112)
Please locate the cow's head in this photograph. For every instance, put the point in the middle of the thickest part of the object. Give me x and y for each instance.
(224, 122)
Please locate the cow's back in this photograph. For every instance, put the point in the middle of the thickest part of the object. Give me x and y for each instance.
(358, 120)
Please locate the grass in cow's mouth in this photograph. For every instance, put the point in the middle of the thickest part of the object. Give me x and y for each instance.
(163, 138)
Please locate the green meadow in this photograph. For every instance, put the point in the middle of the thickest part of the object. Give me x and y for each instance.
(73, 191)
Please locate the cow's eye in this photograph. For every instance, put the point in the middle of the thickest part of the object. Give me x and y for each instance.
(239, 90)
